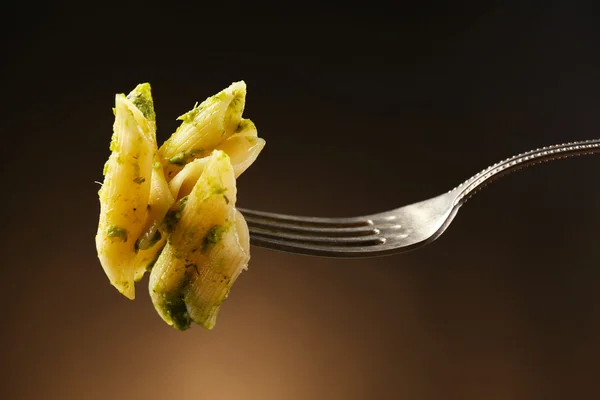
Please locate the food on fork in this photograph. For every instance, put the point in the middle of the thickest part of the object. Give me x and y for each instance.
(171, 210)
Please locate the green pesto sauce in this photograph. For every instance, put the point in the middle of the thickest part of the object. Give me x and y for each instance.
(141, 97)
(219, 96)
(171, 219)
(113, 143)
(183, 202)
(243, 125)
(213, 236)
(117, 232)
(174, 303)
(217, 190)
(182, 158)
(191, 115)
(145, 106)
(174, 306)
(173, 216)
(178, 159)
(237, 99)
(136, 167)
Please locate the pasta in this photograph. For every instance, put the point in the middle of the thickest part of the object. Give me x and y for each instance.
(171, 210)
(126, 190)
(204, 127)
(204, 254)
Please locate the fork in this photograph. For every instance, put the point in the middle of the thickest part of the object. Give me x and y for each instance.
(399, 230)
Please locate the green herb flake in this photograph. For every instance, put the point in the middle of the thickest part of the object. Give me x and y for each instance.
(171, 219)
(191, 115)
(183, 202)
(217, 190)
(114, 146)
(174, 306)
(117, 232)
(178, 159)
(156, 165)
(213, 236)
(243, 125)
(141, 97)
(139, 180)
(237, 99)
(174, 302)
(222, 95)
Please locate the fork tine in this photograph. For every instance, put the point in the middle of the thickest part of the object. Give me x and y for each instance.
(313, 249)
(267, 217)
(309, 230)
(327, 237)
(313, 237)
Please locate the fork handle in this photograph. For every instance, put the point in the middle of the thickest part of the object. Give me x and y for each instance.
(549, 153)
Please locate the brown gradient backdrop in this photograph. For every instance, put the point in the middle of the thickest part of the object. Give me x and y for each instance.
(360, 114)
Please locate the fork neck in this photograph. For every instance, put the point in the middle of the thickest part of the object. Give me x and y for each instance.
(515, 163)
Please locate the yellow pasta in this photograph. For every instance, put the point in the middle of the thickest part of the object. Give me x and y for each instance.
(203, 256)
(172, 210)
(243, 147)
(204, 127)
(153, 237)
(126, 189)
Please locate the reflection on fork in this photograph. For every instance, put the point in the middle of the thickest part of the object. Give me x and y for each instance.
(395, 231)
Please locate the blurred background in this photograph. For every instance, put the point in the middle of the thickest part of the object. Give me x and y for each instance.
(362, 110)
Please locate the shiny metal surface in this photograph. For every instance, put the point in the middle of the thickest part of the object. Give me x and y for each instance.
(395, 231)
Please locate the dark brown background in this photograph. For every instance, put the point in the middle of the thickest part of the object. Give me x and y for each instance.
(361, 113)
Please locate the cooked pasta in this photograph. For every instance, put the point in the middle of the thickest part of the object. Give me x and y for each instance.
(126, 189)
(172, 210)
(204, 127)
(203, 255)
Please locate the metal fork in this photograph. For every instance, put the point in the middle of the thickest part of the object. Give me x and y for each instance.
(395, 231)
